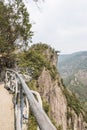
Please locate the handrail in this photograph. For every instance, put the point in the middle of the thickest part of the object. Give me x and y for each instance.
(42, 119)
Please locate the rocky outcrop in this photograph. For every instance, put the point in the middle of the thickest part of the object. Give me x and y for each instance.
(52, 93)
(61, 106)
(51, 90)
(75, 122)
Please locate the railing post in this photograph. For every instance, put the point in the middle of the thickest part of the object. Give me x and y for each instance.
(17, 104)
(18, 113)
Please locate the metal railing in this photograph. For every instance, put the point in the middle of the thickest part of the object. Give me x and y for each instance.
(23, 100)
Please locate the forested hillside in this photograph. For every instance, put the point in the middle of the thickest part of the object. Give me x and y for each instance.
(73, 69)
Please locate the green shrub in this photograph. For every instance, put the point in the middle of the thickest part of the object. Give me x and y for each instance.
(32, 122)
(36, 59)
(69, 115)
(73, 102)
(60, 127)
(46, 106)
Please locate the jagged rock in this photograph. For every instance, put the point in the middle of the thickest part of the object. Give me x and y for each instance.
(48, 83)
(52, 93)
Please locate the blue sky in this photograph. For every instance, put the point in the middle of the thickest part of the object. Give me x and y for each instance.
(60, 23)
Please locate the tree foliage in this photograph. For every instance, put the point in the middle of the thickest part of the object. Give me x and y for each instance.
(36, 58)
(15, 28)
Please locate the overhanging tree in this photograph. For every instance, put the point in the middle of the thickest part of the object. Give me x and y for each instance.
(15, 28)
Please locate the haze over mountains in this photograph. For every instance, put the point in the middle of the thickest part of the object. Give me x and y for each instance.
(73, 70)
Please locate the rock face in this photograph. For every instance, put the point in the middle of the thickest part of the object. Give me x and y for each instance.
(52, 93)
(76, 122)
(58, 103)
(51, 90)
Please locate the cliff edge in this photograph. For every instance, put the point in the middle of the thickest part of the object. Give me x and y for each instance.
(63, 108)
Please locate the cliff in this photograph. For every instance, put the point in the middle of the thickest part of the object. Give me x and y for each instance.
(52, 94)
(63, 108)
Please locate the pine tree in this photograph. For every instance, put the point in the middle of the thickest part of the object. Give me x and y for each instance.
(15, 28)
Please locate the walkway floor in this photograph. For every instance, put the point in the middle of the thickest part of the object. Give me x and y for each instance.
(6, 110)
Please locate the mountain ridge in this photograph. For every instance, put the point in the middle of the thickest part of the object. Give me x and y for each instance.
(73, 69)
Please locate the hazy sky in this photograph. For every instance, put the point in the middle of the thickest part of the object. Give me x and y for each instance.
(61, 24)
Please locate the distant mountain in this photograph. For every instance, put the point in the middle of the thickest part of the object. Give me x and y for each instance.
(73, 70)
